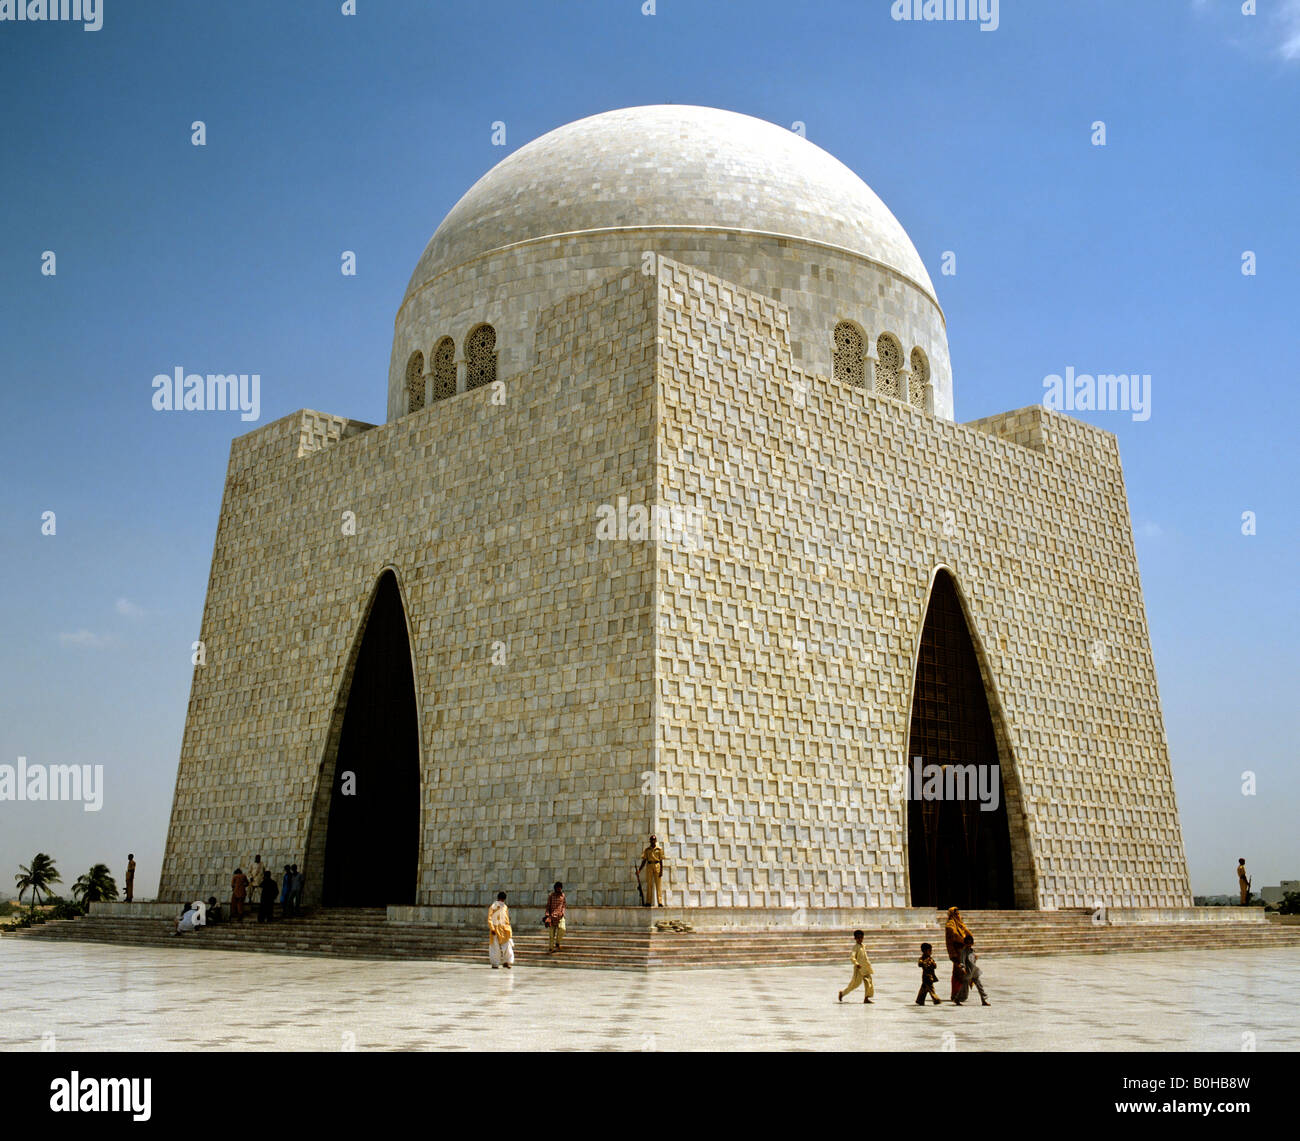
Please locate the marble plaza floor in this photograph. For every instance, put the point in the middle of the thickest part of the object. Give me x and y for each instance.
(97, 997)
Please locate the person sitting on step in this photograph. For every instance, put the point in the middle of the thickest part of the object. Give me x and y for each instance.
(188, 920)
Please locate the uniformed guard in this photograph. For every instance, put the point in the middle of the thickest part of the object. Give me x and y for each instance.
(652, 859)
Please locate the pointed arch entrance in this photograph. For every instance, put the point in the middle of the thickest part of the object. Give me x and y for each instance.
(371, 806)
(963, 804)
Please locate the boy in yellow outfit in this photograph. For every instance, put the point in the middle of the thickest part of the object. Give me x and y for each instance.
(861, 970)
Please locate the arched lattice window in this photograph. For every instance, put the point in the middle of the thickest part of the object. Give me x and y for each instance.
(918, 388)
(443, 369)
(415, 382)
(849, 348)
(481, 357)
(889, 362)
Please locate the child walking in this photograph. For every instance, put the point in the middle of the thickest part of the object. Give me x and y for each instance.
(861, 970)
(929, 975)
(969, 965)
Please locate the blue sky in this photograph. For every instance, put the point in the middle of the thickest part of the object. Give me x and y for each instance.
(328, 132)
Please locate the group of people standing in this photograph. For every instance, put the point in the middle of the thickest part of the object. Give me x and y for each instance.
(261, 884)
(960, 945)
(501, 943)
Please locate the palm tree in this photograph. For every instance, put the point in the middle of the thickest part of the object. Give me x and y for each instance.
(38, 878)
(96, 886)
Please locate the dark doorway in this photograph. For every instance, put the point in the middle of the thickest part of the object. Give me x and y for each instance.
(372, 840)
(958, 854)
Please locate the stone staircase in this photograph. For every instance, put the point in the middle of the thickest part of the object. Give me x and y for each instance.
(365, 933)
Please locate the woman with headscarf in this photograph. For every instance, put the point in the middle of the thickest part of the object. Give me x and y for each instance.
(954, 937)
(501, 944)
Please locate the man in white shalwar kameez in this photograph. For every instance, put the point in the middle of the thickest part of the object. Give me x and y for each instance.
(190, 920)
(501, 944)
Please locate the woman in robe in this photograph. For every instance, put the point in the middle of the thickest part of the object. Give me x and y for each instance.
(238, 893)
(501, 946)
(266, 907)
(286, 890)
(954, 937)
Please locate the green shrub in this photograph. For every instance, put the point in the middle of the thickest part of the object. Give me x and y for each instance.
(1290, 904)
(65, 909)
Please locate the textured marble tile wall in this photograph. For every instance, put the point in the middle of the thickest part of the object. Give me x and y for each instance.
(487, 513)
(786, 640)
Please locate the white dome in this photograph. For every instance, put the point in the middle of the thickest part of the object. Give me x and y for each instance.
(670, 167)
(747, 202)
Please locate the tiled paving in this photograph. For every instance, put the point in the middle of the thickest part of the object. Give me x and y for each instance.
(93, 997)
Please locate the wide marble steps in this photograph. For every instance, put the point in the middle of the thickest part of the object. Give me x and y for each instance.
(366, 934)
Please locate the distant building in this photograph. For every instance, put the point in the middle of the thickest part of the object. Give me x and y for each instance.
(1276, 894)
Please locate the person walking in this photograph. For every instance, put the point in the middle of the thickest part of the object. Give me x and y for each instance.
(238, 893)
(652, 859)
(970, 967)
(295, 894)
(954, 937)
(501, 944)
(554, 917)
(929, 975)
(1243, 882)
(861, 970)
